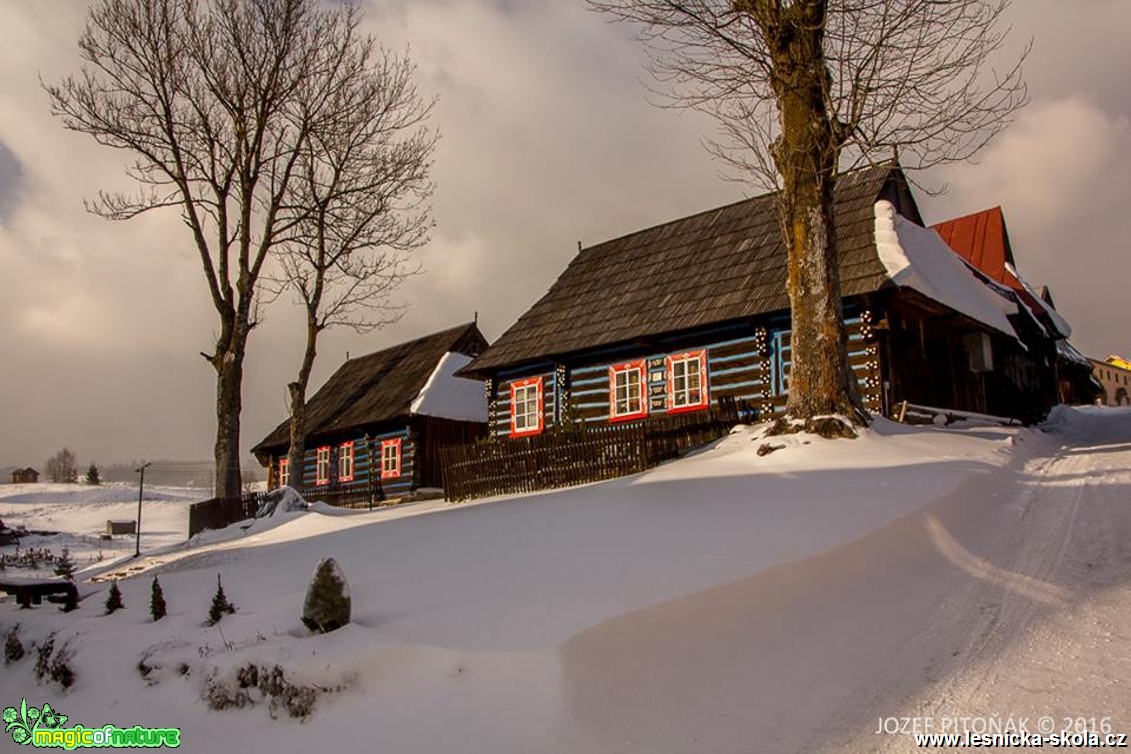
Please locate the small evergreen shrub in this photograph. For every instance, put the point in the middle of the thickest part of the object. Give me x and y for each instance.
(156, 601)
(70, 601)
(220, 604)
(114, 598)
(327, 605)
(64, 566)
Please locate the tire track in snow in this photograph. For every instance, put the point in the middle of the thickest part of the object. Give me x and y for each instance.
(1028, 657)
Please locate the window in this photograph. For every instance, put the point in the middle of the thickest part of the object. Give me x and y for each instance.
(345, 462)
(284, 472)
(322, 465)
(626, 391)
(687, 381)
(390, 458)
(526, 407)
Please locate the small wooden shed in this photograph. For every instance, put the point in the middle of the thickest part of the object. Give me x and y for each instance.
(25, 476)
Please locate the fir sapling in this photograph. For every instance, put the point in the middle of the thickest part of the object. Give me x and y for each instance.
(220, 604)
(114, 598)
(157, 601)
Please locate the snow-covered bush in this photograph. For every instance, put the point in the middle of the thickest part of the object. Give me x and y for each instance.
(327, 605)
(54, 665)
(253, 683)
(279, 501)
(13, 647)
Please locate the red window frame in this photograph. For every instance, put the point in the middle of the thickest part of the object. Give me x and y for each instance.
(628, 366)
(320, 454)
(284, 471)
(536, 382)
(346, 446)
(704, 390)
(391, 473)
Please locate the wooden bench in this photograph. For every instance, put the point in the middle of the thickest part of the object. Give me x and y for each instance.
(32, 592)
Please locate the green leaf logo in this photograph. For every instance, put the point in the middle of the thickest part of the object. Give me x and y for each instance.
(23, 723)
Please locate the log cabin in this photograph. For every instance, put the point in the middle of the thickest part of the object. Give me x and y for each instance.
(376, 426)
(25, 476)
(668, 319)
(1049, 366)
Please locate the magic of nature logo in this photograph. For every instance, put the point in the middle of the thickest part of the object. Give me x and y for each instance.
(44, 727)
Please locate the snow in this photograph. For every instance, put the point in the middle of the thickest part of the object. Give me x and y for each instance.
(449, 397)
(79, 514)
(1068, 351)
(280, 502)
(721, 602)
(1064, 330)
(918, 258)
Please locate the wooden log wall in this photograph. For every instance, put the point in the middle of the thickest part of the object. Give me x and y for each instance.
(499, 409)
(863, 359)
(429, 435)
(751, 367)
(366, 459)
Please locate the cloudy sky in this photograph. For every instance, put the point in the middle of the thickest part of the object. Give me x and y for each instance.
(548, 139)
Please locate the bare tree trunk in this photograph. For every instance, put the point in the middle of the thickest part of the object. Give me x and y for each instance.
(806, 156)
(297, 393)
(296, 454)
(229, 401)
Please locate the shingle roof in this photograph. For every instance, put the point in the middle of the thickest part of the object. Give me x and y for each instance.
(378, 387)
(715, 266)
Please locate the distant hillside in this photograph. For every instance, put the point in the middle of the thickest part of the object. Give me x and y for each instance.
(167, 473)
(173, 473)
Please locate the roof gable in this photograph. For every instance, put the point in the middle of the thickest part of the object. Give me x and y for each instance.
(715, 266)
(378, 387)
(982, 240)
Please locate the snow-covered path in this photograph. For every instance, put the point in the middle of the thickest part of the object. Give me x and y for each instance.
(1009, 597)
(1055, 642)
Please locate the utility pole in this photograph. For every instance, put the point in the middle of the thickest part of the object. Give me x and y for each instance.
(140, 488)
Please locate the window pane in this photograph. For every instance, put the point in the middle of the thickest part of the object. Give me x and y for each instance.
(526, 408)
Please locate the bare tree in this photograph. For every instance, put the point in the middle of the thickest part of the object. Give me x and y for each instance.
(804, 89)
(62, 467)
(359, 209)
(215, 100)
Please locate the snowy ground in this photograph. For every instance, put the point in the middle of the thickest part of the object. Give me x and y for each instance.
(725, 602)
(78, 515)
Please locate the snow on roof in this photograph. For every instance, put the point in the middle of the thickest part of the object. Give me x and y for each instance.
(1063, 328)
(918, 258)
(1068, 351)
(449, 397)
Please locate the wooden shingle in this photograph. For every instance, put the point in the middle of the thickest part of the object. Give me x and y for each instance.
(715, 266)
(377, 387)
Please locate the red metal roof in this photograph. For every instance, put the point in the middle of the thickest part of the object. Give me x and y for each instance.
(982, 241)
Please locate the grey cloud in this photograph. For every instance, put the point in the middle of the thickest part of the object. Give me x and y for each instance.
(11, 181)
(548, 139)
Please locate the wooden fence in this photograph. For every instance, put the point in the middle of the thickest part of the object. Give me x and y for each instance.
(567, 456)
(220, 512)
